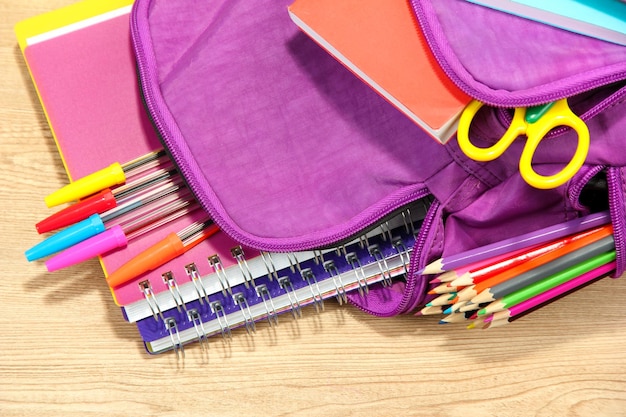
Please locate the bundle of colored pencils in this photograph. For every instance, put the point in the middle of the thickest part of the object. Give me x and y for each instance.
(493, 285)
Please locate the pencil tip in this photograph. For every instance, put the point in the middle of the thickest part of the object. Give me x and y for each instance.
(447, 310)
(432, 268)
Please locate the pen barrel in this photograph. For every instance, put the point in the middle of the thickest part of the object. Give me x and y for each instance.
(153, 257)
(88, 185)
(67, 237)
(104, 242)
(98, 203)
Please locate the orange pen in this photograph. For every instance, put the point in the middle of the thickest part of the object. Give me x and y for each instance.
(174, 245)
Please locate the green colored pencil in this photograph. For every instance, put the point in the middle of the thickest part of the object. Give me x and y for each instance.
(547, 283)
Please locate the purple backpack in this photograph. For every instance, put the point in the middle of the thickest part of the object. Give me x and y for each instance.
(287, 150)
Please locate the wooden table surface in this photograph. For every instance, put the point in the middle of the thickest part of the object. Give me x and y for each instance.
(67, 351)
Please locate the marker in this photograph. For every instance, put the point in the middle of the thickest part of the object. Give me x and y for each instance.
(119, 235)
(96, 223)
(114, 174)
(174, 245)
(103, 201)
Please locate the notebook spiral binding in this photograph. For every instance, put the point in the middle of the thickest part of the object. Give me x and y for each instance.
(266, 286)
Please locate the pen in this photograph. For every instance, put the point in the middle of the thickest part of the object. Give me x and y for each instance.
(119, 235)
(114, 174)
(174, 245)
(106, 199)
(97, 223)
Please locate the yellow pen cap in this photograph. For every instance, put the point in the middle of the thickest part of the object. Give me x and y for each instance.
(88, 185)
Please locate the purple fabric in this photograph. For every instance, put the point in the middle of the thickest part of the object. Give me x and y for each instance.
(288, 150)
(496, 56)
(286, 146)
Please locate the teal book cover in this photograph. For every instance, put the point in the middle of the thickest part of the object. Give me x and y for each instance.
(602, 19)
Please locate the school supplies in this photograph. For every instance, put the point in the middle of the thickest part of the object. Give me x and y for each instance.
(509, 314)
(134, 210)
(517, 282)
(523, 241)
(477, 272)
(119, 235)
(114, 174)
(313, 166)
(167, 249)
(571, 259)
(75, 54)
(552, 281)
(536, 123)
(103, 201)
(258, 289)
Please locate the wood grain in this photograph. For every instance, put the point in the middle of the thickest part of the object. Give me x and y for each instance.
(67, 351)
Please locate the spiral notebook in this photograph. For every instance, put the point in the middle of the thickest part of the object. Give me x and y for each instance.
(271, 284)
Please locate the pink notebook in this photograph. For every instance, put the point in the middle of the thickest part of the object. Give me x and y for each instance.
(87, 82)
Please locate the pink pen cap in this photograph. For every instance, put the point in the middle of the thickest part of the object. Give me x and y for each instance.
(99, 244)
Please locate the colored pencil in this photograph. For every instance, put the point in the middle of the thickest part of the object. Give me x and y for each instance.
(443, 278)
(442, 300)
(551, 294)
(457, 274)
(525, 279)
(469, 306)
(543, 235)
(536, 263)
(454, 318)
(548, 283)
(475, 276)
(430, 310)
(443, 289)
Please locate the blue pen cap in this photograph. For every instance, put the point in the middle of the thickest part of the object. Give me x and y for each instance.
(67, 237)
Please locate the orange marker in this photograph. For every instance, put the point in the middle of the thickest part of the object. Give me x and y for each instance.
(174, 245)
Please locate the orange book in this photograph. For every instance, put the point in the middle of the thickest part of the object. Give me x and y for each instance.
(380, 41)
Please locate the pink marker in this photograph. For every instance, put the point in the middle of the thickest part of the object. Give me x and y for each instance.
(119, 235)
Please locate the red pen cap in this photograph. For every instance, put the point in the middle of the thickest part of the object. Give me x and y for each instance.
(96, 204)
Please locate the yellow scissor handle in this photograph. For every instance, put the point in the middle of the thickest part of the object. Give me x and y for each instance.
(558, 115)
(517, 128)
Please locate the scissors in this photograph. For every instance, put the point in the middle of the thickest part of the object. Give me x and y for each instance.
(535, 122)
